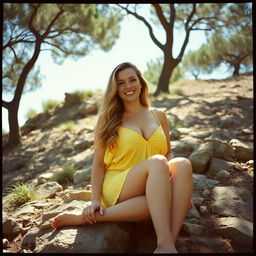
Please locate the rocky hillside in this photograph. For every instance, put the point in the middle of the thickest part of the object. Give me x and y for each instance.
(211, 123)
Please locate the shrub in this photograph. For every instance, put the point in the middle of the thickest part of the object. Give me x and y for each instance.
(78, 97)
(31, 113)
(64, 177)
(4, 132)
(20, 194)
(67, 126)
(50, 104)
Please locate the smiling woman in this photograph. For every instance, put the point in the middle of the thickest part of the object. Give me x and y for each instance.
(134, 175)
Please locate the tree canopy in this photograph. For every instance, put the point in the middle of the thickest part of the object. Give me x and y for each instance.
(66, 30)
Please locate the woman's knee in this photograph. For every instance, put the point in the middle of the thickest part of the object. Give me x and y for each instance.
(180, 164)
(158, 162)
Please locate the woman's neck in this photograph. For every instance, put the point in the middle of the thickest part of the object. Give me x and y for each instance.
(133, 107)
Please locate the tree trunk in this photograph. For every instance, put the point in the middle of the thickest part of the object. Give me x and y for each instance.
(236, 70)
(13, 106)
(163, 83)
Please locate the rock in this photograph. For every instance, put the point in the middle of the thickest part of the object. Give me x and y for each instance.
(67, 150)
(174, 134)
(184, 130)
(206, 193)
(203, 209)
(200, 134)
(24, 210)
(185, 146)
(250, 163)
(221, 149)
(110, 238)
(217, 164)
(5, 243)
(11, 228)
(240, 231)
(84, 142)
(197, 201)
(69, 195)
(200, 181)
(242, 150)
(201, 156)
(44, 177)
(193, 213)
(88, 108)
(192, 228)
(49, 189)
(82, 175)
(222, 175)
(14, 164)
(232, 201)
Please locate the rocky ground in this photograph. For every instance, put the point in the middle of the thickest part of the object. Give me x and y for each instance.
(211, 123)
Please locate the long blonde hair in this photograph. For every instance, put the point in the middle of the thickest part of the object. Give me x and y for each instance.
(112, 107)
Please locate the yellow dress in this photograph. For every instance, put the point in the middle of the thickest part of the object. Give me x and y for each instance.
(131, 148)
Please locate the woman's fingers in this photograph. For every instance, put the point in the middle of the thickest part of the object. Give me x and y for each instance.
(87, 215)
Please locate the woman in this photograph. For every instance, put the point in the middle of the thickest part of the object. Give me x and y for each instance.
(134, 175)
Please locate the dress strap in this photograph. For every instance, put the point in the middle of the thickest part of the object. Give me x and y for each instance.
(155, 116)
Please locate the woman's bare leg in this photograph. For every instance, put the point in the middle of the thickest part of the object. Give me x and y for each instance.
(181, 181)
(151, 178)
(134, 209)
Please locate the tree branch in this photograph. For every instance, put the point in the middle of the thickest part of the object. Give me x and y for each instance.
(146, 23)
(161, 16)
(5, 104)
(45, 34)
(30, 22)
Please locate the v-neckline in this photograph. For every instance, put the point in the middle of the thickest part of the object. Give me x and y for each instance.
(141, 134)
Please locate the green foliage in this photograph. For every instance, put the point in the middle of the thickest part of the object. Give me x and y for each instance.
(20, 194)
(31, 113)
(67, 126)
(50, 104)
(77, 97)
(197, 62)
(64, 177)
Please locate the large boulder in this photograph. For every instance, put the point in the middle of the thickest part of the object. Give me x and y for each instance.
(242, 150)
(201, 156)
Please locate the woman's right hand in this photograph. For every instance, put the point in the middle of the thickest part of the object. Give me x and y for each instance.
(89, 211)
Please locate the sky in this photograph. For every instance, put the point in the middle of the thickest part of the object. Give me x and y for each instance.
(92, 71)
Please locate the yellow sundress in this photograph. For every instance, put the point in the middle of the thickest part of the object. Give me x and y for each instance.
(130, 149)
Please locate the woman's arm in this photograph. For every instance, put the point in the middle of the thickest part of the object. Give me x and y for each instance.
(98, 166)
(165, 124)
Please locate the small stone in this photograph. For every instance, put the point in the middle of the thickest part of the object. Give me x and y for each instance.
(5, 242)
(206, 193)
(203, 209)
(250, 163)
(222, 175)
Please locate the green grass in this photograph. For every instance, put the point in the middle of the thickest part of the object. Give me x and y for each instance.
(20, 194)
(50, 104)
(67, 126)
(31, 113)
(64, 177)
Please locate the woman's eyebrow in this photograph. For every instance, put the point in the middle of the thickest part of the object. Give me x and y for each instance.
(128, 78)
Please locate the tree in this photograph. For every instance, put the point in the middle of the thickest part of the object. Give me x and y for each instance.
(233, 44)
(236, 50)
(190, 17)
(66, 30)
(230, 44)
(197, 62)
(154, 68)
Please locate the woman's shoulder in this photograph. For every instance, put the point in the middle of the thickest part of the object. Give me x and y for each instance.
(160, 113)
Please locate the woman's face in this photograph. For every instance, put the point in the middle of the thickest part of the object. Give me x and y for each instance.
(128, 85)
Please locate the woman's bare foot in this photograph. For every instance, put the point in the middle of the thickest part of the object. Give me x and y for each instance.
(67, 219)
(168, 248)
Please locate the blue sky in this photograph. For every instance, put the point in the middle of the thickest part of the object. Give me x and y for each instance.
(92, 71)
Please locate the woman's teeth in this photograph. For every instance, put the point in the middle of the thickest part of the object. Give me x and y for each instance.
(129, 93)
